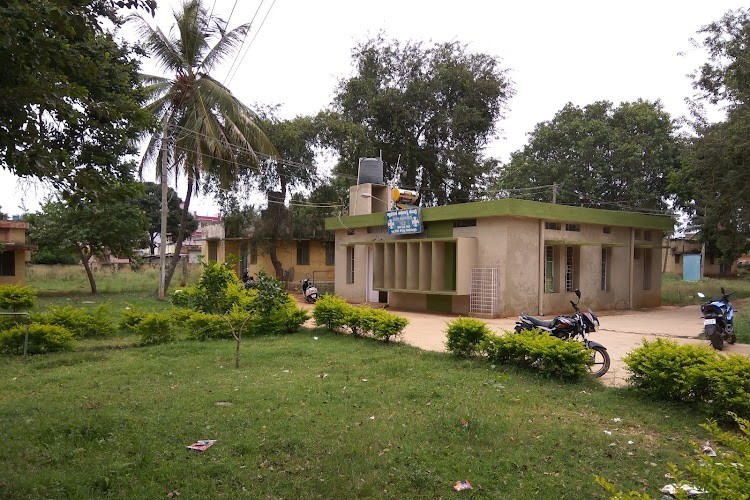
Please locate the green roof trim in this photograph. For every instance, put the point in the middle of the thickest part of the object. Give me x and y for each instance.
(515, 208)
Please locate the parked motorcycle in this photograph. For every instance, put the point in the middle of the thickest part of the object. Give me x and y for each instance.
(718, 320)
(309, 291)
(580, 324)
(249, 281)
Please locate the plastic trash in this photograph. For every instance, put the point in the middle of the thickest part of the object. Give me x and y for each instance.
(202, 444)
(462, 485)
(708, 449)
(690, 490)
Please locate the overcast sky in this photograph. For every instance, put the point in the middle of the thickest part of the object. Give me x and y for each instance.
(556, 52)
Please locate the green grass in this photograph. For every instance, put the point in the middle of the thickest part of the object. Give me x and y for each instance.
(63, 280)
(675, 291)
(336, 417)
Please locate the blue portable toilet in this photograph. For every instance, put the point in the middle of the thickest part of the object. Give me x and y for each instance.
(691, 267)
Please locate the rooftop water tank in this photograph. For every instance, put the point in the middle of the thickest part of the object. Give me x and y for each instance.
(370, 171)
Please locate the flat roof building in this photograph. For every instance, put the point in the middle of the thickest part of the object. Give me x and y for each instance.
(495, 258)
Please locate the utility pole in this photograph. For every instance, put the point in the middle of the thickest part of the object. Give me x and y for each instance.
(554, 192)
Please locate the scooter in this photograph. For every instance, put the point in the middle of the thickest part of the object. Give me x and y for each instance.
(718, 320)
(309, 291)
(570, 327)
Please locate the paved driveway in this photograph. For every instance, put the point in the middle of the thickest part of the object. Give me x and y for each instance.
(620, 332)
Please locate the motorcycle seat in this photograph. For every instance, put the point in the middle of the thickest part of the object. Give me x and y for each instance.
(538, 322)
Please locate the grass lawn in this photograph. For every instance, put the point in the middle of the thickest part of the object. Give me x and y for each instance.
(336, 417)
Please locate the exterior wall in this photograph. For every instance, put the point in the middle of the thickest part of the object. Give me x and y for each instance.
(672, 257)
(408, 301)
(354, 292)
(13, 234)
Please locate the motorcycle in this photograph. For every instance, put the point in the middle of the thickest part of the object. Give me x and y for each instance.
(309, 291)
(718, 320)
(580, 324)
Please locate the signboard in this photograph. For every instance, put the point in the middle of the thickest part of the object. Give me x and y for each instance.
(407, 221)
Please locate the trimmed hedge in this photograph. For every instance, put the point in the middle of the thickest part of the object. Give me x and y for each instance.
(156, 328)
(42, 339)
(82, 323)
(540, 351)
(465, 336)
(335, 313)
(16, 298)
(692, 374)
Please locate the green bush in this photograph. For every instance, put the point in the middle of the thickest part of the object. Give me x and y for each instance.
(81, 323)
(692, 374)
(331, 311)
(538, 350)
(16, 298)
(42, 339)
(465, 336)
(129, 319)
(387, 324)
(203, 326)
(155, 328)
(355, 316)
(286, 318)
(727, 475)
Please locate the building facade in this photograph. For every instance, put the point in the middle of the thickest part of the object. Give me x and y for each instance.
(675, 249)
(13, 251)
(497, 258)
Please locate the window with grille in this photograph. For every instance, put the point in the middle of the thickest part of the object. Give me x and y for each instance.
(549, 269)
(303, 253)
(350, 265)
(573, 227)
(569, 269)
(555, 226)
(605, 268)
(606, 230)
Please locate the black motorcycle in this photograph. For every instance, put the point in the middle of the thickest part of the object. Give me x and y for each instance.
(718, 320)
(580, 324)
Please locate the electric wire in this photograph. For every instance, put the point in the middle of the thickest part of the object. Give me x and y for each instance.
(251, 42)
(236, 55)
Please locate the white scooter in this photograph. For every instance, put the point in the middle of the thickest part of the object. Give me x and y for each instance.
(309, 291)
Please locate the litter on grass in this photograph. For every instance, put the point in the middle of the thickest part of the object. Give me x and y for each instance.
(202, 444)
(708, 449)
(690, 491)
(462, 485)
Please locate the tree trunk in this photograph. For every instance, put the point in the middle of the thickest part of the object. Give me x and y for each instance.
(277, 266)
(180, 234)
(164, 213)
(85, 257)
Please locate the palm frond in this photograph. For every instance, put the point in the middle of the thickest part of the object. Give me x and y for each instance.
(192, 23)
(224, 48)
(159, 46)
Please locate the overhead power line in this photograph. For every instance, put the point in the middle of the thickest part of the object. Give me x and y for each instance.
(251, 42)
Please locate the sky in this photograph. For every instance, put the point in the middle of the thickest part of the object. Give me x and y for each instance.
(555, 52)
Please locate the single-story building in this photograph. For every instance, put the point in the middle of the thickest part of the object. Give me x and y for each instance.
(13, 251)
(300, 258)
(495, 258)
(676, 248)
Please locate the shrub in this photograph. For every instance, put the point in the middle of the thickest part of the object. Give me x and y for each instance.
(81, 323)
(42, 339)
(387, 324)
(155, 328)
(538, 350)
(331, 311)
(203, 326)
(723, 476)
(16, 298)
(465, 336)
(692, 374)
(355, 319)
(129, 319)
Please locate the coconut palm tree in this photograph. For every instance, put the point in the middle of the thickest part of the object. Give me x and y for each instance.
(203, 127)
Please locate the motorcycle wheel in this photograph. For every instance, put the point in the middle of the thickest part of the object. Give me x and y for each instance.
(716, 341)
(313, 298)
(599, 363)
(732, 338)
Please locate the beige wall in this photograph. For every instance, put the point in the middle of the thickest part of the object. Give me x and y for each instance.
(14, 232)
(678, 247)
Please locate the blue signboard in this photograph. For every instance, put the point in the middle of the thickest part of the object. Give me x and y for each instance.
(407, 221)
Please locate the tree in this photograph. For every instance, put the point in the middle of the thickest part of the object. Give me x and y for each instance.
(713, 186)
(3, 216)
(110, 222)
(72, 101)
(203, 127)
(598, 156)
(151, 205)
(431, 111)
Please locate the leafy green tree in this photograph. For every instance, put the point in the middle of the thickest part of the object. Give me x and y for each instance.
(71, 102)
(431, 111)
(110, 222)
(3, 216)
(599, 156)
(151, 205)
(203, 127)
(713, 185)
